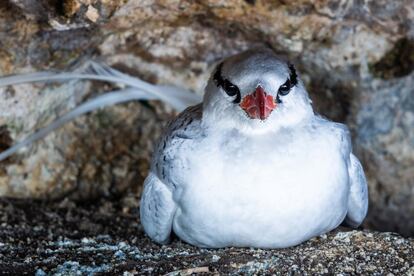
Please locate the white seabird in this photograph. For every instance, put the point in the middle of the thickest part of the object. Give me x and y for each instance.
(252, 166)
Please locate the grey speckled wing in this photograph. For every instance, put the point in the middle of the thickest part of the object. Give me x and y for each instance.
(179, 135)
(157, 207)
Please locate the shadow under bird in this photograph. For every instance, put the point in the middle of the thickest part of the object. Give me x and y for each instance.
(250, 166)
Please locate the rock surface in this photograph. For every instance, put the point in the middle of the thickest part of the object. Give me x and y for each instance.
(106, 238)
(355, 57)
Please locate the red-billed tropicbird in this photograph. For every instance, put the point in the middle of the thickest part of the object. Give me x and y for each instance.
(252, 166)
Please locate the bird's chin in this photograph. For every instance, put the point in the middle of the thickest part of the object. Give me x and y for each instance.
(239, 121)
(256, 126)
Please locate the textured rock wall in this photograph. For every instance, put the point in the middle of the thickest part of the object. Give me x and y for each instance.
(356, 58)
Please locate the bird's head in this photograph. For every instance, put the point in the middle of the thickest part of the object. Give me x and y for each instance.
(255, 91)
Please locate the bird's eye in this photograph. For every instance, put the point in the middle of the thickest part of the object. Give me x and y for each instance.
(231, 89)
(284, 89)
(228, 87)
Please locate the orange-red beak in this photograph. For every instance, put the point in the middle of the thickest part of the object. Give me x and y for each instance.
(258, 105)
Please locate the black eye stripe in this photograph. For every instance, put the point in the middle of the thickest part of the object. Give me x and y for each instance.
(278, 100)
(285, 88)
(230, 89)
(293, 77)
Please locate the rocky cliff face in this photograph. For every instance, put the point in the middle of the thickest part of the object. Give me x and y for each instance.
(355, 57)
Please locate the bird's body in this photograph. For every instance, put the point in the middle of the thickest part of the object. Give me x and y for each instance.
(222, 179)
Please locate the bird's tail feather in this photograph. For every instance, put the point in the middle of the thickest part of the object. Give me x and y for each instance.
(136, 90)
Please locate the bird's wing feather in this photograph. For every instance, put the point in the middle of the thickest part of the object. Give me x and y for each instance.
(180, 135)
(358, 195)
(157, 209)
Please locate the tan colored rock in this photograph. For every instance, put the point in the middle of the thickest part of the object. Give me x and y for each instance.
(92, 14)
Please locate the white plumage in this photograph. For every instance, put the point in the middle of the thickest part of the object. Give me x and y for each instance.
(237, 171)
